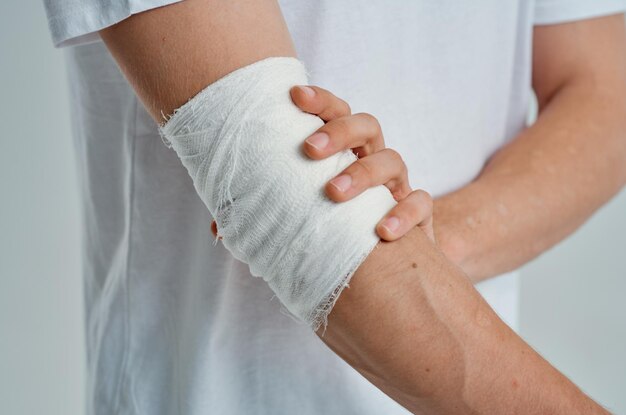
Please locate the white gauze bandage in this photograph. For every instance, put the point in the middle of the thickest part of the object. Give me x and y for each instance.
(241, 141)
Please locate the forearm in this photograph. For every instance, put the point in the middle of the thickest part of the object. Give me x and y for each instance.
(413, 324)
(435, 318)
(545, 183)
(539, 188)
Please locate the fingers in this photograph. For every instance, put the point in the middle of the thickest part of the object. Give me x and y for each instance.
(384, 167)
(214, 229)
(320, 102)
(414, 210)
(376, 165)
(359, 132)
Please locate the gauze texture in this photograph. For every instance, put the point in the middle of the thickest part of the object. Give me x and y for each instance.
(241, 141)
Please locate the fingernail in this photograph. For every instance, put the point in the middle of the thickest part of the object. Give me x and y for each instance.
(310, 92)
(342, 183)
(391, 224)
(318, 140)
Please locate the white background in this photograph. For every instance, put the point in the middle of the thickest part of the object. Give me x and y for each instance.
(573, 307)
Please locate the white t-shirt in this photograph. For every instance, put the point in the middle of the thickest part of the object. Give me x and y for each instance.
(174, 324)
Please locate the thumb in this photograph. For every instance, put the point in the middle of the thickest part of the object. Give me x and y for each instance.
(214, 228)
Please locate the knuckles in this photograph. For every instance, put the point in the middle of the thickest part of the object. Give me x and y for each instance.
(344, 107)
(371, 120)
(424, 199)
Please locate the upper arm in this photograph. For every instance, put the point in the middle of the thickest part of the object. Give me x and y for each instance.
(170, 53)
(592, 52)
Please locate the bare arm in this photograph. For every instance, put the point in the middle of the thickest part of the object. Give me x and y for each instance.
(171, 53)
(553, 176)
(411, 322)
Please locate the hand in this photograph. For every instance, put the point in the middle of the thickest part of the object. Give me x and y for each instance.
(376, 164)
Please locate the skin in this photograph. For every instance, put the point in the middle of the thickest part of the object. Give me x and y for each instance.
(376, 164)
(546, 182)
(412, 322)
(540, 187)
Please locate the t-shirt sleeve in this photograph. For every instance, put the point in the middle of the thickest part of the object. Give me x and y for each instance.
(74, 22)
(562, 11)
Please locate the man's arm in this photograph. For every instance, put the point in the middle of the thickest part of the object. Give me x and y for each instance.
(412, 323)
(171, 53)
(545, 183)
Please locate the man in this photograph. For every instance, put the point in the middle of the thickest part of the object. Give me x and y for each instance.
(175, 325)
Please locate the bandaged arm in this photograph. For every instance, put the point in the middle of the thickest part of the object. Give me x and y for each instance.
(411, 322)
